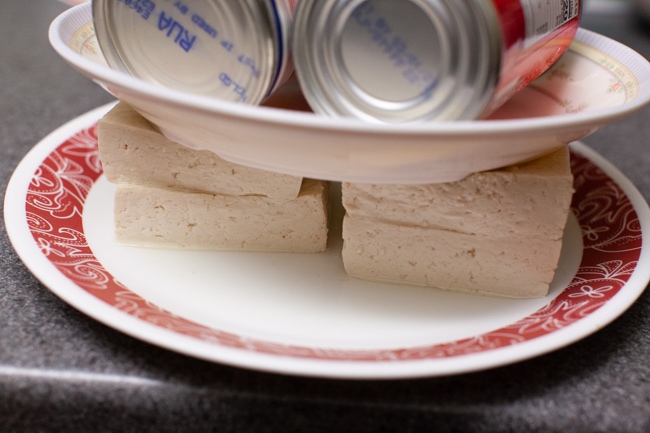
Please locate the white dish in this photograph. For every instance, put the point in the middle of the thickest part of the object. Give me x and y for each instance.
(300, 314)
(598, 82)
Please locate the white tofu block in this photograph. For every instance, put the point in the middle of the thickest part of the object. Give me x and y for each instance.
(164, 218)
(509, 266)
(526, 199)
(497, 233)
(132, 150)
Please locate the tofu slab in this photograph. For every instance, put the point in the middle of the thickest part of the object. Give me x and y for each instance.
(163, 218)
(132, 150)
(503, 266)
(531, 198)
(495, 233)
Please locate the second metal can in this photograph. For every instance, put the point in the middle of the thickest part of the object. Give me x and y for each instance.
(421, 60)
(235, 50)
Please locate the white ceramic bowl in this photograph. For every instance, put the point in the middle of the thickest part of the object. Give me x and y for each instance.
(597, 82)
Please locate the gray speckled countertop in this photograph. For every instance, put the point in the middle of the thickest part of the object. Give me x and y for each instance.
(62, 371)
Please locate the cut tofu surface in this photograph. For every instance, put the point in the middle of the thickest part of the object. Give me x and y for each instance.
(504, 266)
(163, 218)
(529, 199)
(496, 233)
(133, 151)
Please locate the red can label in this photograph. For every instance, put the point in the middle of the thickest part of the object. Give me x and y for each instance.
(535, 34)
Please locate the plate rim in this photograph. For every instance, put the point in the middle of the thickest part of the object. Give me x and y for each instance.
(23, 243)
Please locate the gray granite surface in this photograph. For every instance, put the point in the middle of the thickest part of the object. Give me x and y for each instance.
(61, 371)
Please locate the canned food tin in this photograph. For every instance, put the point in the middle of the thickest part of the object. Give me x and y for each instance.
(231, 49)
(422, 60)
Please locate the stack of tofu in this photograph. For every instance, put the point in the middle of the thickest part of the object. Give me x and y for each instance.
(170, 196)
(496, 233)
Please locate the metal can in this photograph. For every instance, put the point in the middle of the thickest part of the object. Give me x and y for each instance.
(235, 50)
(422, 60)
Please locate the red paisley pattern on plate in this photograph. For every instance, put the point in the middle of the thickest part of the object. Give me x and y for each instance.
(611, 234)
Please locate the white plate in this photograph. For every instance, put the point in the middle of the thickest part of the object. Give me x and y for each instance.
(598, 82)
(299, 313)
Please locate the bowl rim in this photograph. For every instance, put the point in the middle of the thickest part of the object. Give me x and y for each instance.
(106, 77)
